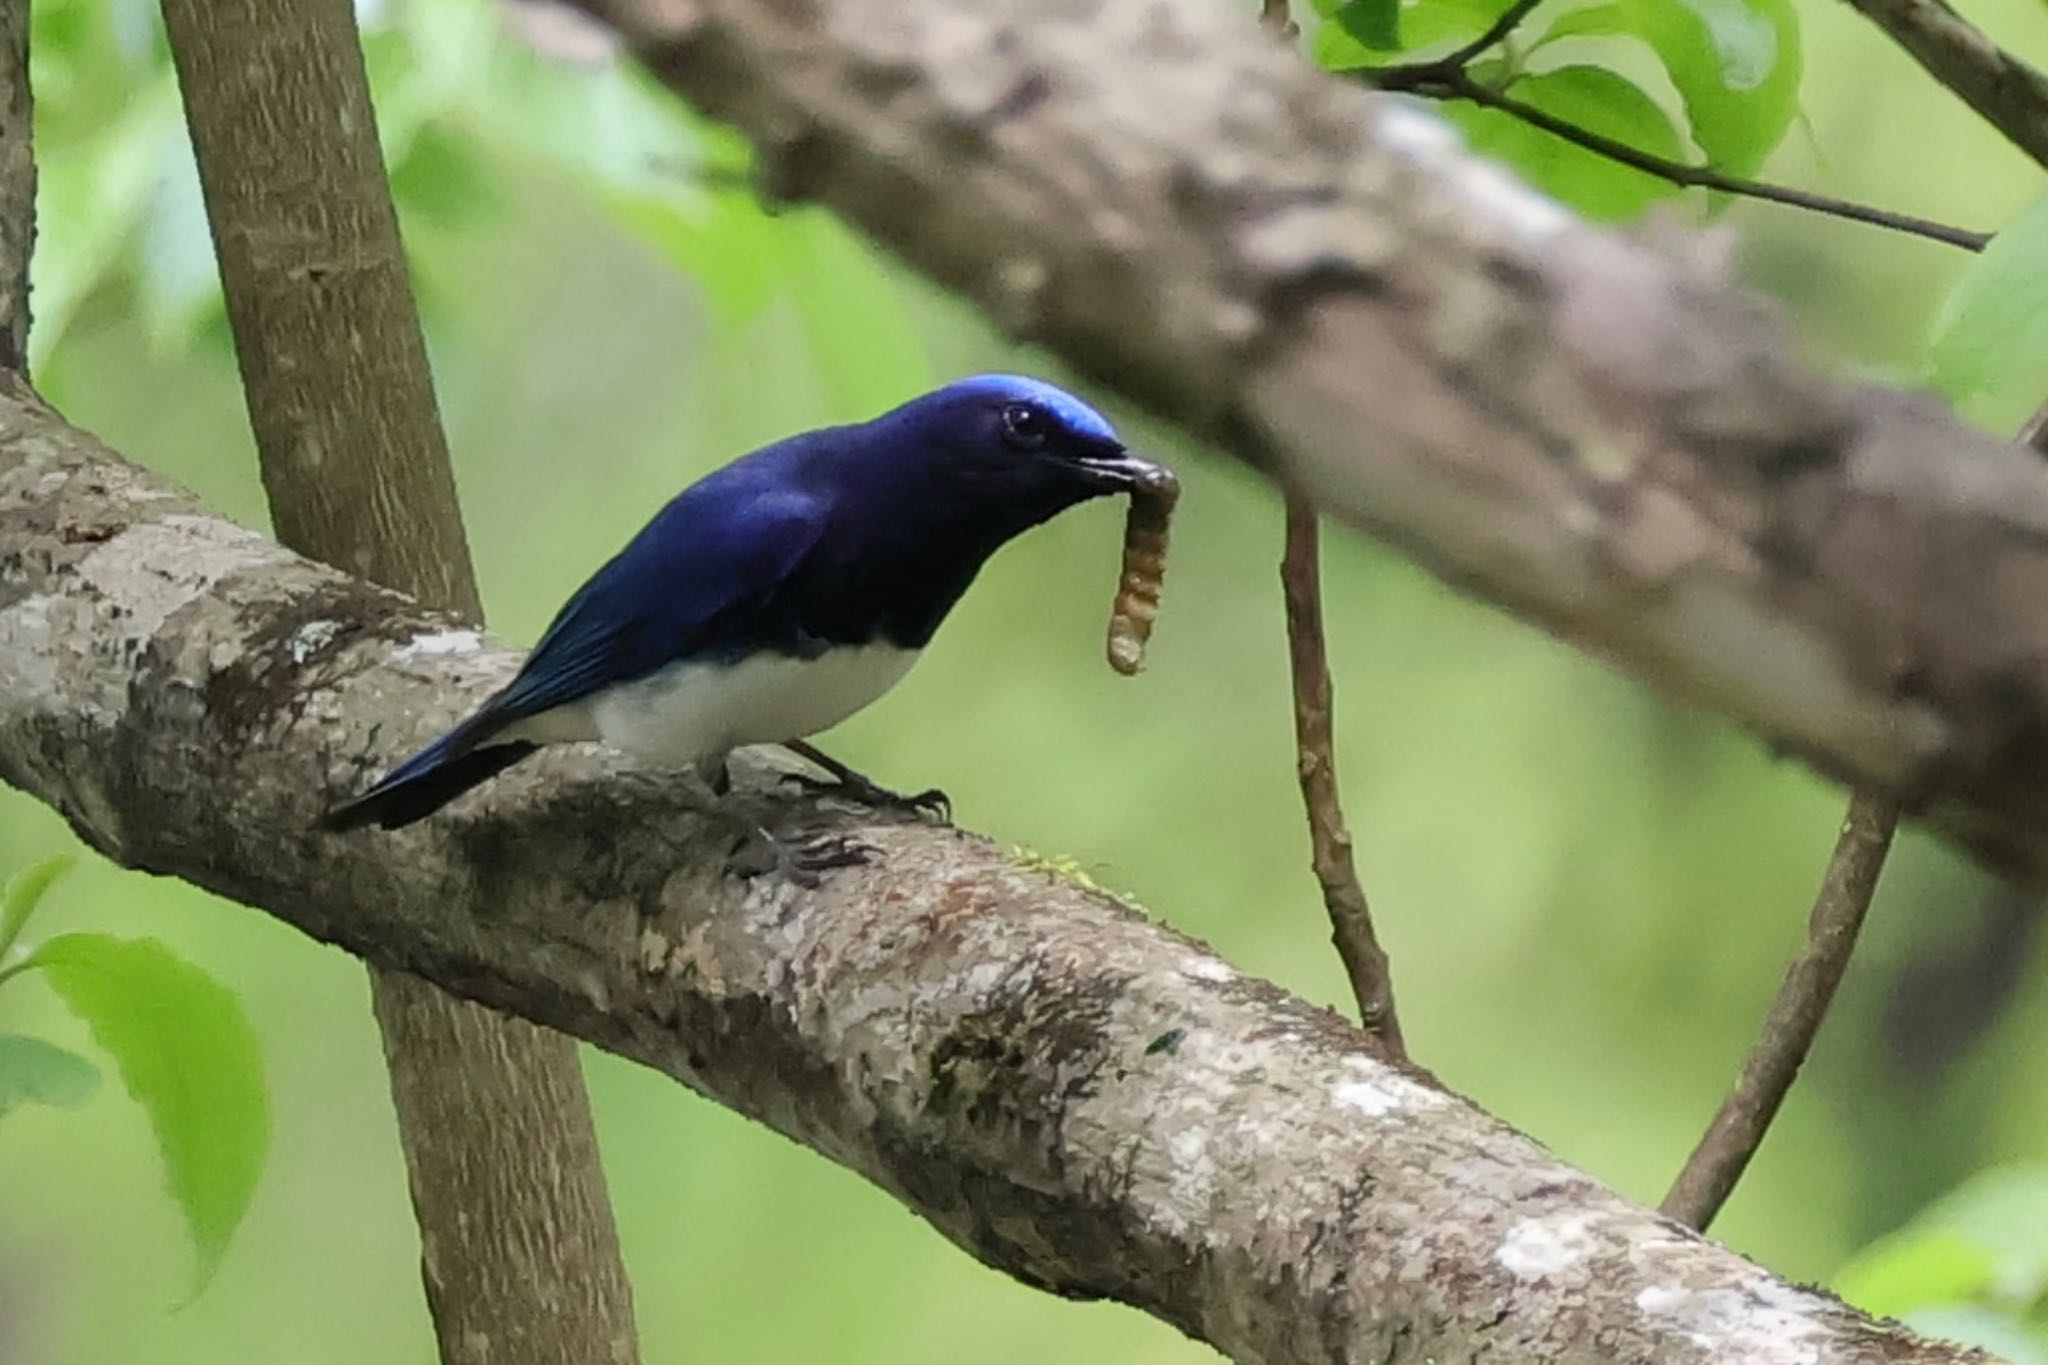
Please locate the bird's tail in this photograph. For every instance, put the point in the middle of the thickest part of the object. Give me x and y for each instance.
(429, 780)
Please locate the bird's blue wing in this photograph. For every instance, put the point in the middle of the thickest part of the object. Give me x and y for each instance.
(694, 583)
(705, 579)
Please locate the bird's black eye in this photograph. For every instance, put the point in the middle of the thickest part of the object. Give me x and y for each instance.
(1026, 427)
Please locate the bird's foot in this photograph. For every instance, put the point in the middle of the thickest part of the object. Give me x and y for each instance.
(931, 801)
(759, 853)
(852, 785)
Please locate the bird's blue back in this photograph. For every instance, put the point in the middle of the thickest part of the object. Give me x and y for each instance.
(829, 538)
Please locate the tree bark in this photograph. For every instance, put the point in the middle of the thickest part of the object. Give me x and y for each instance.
(17, 185)
(1073, 1094)
(519, 1254)
(1599, 435)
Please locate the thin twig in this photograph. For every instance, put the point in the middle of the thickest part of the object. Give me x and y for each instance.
(1496, 32)
(2034, 434)
(1444, 81)
(1731, 1140)
(2006, 92)
(1722, 1155)
(1365, 962)
(1308, 656)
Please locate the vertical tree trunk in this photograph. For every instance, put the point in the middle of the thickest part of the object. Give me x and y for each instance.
(518, 1247)
(17, 185)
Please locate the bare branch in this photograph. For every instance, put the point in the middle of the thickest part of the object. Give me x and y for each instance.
(1738, 1128)
(2010, 95)
(1365, 962)
(1301, 581)
(1438, 82)
(1723, 1154)
(518, 1249)
(17, 185)
(1073, 1094)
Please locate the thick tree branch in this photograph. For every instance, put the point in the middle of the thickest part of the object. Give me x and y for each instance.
(1607, 440)
(2010, 95)
(1075, 1095)
(518, 1251)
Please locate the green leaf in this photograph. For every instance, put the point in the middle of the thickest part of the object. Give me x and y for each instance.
(18, 898)
(1335, 50)
(1374, 23)
(1993, 326)
(1588, 97)
(1429, 23)
(1736, 65)
(187, 1054)
(445, 178)
(31, 1069)
(1594, 21)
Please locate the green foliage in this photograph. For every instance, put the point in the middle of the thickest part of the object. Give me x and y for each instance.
(1589, 97)
(185, 1051)
(1735, 64)
(31, 1069)
(458, 98)
(188, 1056)
(1973, 1266)
(20, 896)
(1374, 24)
(1993, 326)
(1734, 67)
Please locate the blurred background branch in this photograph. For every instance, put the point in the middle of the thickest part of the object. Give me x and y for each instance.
(2010, 94)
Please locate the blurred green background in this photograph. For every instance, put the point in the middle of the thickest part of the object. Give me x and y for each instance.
(1588, 895)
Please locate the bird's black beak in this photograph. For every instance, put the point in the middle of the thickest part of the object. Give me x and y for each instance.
(1120, 471)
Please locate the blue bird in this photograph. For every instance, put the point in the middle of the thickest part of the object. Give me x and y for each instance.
(782, 593)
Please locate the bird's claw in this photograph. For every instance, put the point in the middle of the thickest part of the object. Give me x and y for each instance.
(931, 801)
(760, 853)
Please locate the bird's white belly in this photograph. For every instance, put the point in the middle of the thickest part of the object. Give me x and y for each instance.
(692, 711)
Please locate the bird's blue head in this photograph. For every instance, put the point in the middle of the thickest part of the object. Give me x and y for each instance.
(1008, 451)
